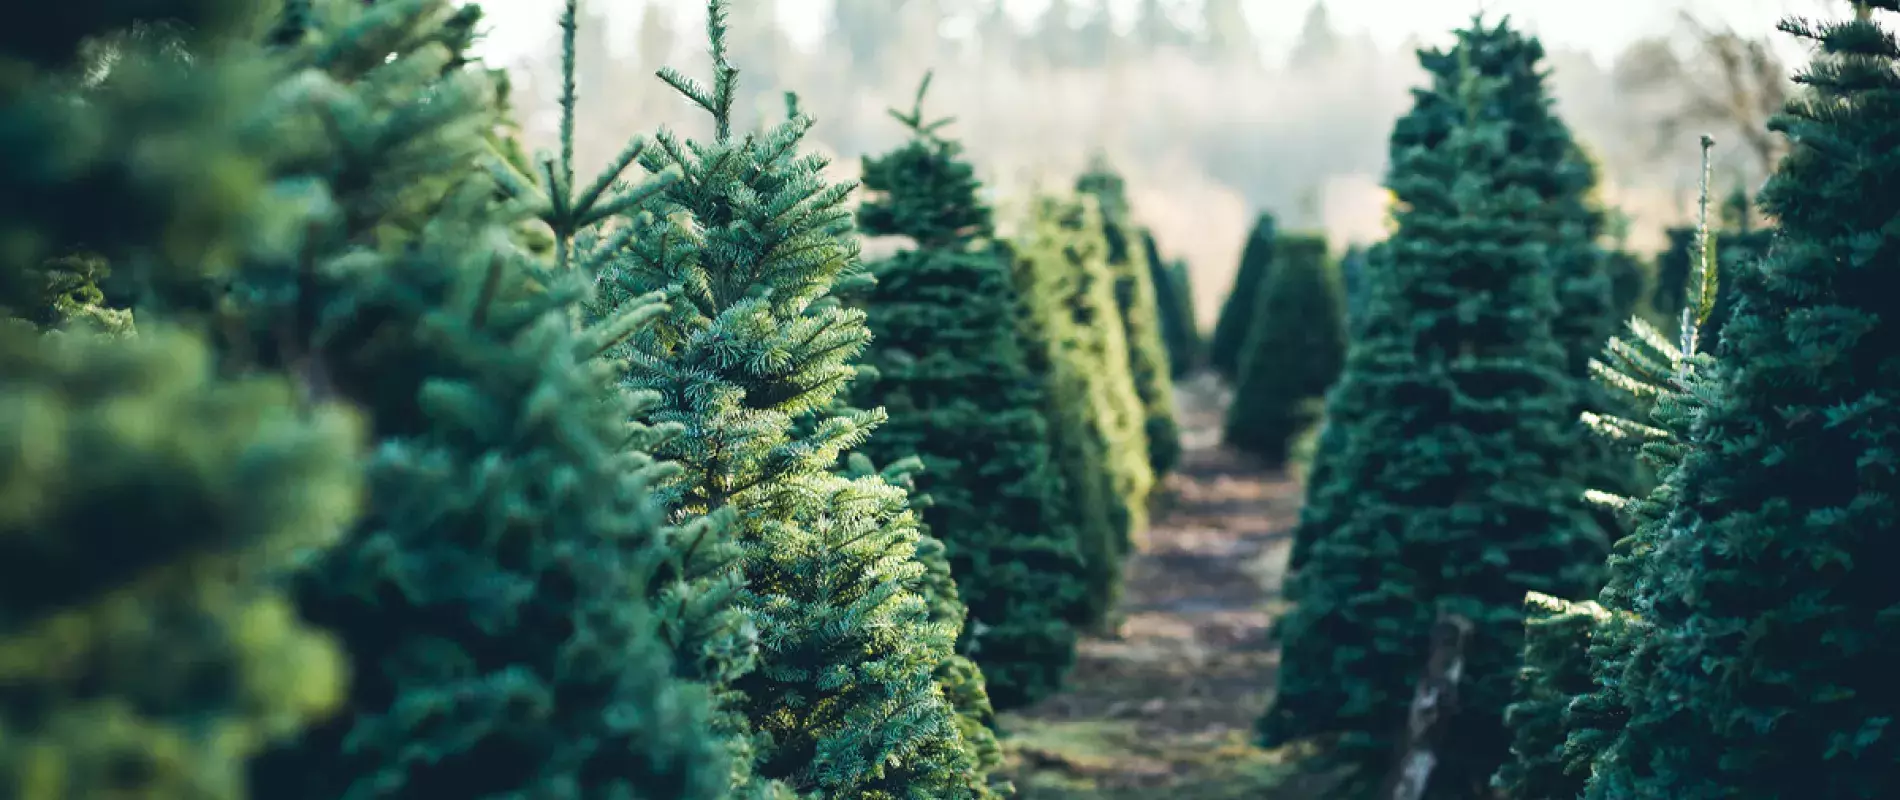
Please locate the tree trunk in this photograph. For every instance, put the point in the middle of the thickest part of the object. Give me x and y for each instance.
(1434, 703)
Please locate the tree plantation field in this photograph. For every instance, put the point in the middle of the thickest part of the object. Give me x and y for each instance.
(353, 449)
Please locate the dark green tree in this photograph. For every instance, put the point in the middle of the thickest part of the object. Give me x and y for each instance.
(1137, 299)
(1452, 492)
(1352, 284)
(1765, 598)
(749, 361)
(1174, 301)
(492, 596)
(1293, 354)
(950, 369)
(1236, 313)
(1068, 316)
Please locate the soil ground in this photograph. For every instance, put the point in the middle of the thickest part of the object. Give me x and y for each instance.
(1165, 707)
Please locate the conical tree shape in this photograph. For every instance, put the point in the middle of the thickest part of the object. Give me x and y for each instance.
(1135, 296)
(951, 371)
(1767, 597)
(1067, 297)
(1294, 352)
(1175, 302)
(1452, 493)
(748, 244)
(1236, 314)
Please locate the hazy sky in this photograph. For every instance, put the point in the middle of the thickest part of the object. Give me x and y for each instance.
(1599, 26)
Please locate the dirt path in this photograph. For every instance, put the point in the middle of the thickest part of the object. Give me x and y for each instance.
(1169, 704)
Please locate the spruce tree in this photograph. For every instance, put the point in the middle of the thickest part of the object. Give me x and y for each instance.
(1175, 302)
(1293, 354)
(1067, 296)
(747, 245)
(1451, 493)
(950, 369)
(1352, 284)
(1765, 671)
(1236, 313)
(1136, 298)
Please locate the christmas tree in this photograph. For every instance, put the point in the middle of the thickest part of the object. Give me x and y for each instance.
(1236, 314)
(489, 597)
(1293, 354)
(1175, 300)
(951, 371)
(749, 362)
(1450, 495)
(148, 505)
(1068, 305)
(1136, 298)
(1765, 606)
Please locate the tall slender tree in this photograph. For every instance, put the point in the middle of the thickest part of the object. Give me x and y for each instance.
(1236, 313)
(1452, 494)
(950, 368)
(1175, 302)
(749, 362)
(1140, 312)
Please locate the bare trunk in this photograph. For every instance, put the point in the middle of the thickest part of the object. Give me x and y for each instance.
(1434, 703)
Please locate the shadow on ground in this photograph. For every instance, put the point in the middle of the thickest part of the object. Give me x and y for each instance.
(1168, 704)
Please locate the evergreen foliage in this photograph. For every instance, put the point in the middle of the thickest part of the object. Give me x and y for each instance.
(950, 368)
(1673, 266)
(1236, 313)
(1766, 609)
(159, 670)
(488, 598)
(748, 245)
(1174, 300)
(1452, 491)
(1068, 301)
(1293, 354)
(1557, 634)
(1137, 299)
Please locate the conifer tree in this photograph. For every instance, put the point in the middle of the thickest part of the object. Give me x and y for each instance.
(748, 244)
(1293, 354)
(1175, 302)
(950, 370)
(1067, 294)
(1236, 313)
(489, 598)
(146, 509)
(1765, 599)
(147, 505)
(1451, 493)
(1136, 298)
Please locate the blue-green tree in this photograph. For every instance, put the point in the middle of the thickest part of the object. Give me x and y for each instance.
(749, 362)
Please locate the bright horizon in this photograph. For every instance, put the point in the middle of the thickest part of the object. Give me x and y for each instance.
(1601, 28)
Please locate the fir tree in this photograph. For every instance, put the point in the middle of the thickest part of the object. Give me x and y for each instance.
(159, 670)
(1236, 314)
(1067, 296)
(1293, 354)
(147, 505)
(1175, 302)
(950, 369)
(1136, 297)
(1674, 266)
(1451, 492)
(1765, 598)
(489, 598)
(1557, 636)
(748, 244)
